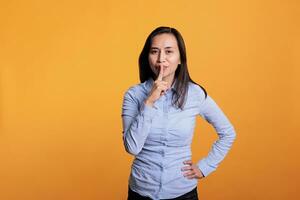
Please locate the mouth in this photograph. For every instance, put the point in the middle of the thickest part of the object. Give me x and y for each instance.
(159, 66)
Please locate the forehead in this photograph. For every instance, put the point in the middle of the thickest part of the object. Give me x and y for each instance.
(164, 40)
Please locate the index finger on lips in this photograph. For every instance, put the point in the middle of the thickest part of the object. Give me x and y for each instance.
(161, 73)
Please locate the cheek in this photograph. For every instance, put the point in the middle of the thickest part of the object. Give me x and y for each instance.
(151, 60)
(151, 63)
(175, 60)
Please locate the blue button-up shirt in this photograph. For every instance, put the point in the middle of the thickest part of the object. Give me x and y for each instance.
(160, 138)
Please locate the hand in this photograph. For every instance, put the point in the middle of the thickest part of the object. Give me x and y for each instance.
(159, 88)
(191, 170)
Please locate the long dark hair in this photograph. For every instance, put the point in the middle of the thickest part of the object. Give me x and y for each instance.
(182, 76)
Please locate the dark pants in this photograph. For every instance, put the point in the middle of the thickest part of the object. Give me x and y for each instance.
(192, 195)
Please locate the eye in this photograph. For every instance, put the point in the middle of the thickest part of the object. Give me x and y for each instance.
(169, 51)
(153, 51)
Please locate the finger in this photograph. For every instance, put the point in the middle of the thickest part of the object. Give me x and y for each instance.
(191, 177)
(163, 92)
(186, 168)
(188, 162)
(162, 87)
(190, 173)
(161, 82)
(161, 73)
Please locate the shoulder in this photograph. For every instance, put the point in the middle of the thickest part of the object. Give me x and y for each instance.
(136, 91)
(195, 91)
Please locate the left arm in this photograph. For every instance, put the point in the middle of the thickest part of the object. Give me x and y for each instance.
(212, 113)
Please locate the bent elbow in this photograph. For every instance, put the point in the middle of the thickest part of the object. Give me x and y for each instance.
(131, 147)
(133, 151)
(232, 135)
(229, 135)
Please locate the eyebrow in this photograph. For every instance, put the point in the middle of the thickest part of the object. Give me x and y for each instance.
(158, 48)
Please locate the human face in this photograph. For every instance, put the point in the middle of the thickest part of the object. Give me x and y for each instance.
(164, 52)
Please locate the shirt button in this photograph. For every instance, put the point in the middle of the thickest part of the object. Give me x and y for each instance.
(162, 152)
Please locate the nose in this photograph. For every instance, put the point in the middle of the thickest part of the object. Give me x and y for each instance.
(161, 57)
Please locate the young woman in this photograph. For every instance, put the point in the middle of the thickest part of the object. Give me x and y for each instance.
(159, 116)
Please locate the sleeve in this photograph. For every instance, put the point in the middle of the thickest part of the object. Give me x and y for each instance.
(136, 122)
(211, 112)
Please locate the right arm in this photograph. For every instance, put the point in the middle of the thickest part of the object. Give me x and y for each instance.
(136, 122)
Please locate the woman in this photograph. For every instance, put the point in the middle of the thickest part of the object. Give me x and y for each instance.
(159, 116)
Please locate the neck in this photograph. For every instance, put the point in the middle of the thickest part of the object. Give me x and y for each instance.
(169, 80)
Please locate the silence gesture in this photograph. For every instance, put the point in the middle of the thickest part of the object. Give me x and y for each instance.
(159, 88)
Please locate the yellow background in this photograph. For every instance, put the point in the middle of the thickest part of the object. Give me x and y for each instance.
(65, 66)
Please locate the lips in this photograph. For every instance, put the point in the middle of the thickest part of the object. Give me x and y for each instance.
(158, 67)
